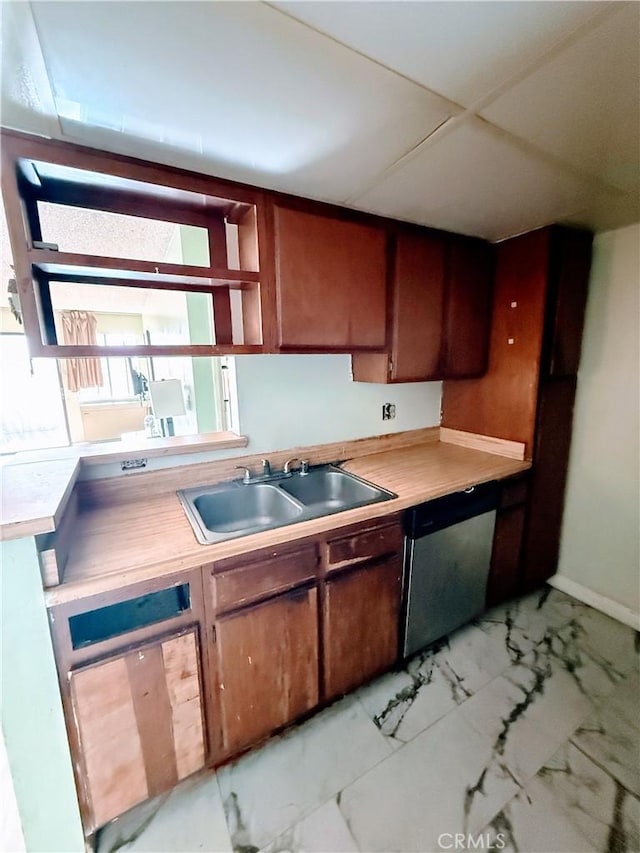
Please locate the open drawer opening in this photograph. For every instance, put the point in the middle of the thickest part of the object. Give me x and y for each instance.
(101, 624)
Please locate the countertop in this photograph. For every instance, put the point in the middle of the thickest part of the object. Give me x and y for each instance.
(36, 488)
(114, 546)
(35, 495)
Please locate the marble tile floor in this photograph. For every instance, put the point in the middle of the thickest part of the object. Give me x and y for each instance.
(520, 732)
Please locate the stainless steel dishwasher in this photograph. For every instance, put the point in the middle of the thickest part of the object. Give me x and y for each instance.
(447, 557)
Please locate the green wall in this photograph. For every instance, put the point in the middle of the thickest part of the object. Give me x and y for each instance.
(32, 717)
(206, 391)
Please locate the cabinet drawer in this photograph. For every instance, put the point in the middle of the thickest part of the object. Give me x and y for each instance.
(366, 545)
(238, 586)
(513, 492)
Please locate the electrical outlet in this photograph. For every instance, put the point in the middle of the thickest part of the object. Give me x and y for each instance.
(128, 464)
(388, 411)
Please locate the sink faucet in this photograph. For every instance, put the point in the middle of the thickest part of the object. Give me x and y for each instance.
(266, 468)
(288, 464)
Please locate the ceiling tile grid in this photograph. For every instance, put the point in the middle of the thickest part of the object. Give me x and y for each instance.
(271, 99)
(487, 118)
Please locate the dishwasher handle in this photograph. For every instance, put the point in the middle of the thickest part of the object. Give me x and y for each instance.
(451, 509)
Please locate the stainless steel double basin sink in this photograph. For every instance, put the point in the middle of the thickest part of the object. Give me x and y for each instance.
(234, 509)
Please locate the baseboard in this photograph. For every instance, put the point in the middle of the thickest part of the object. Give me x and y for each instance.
(594, 599)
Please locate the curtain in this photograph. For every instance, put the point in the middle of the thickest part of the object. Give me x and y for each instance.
(79, 329)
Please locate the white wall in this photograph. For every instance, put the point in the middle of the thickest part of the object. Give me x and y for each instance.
(289, 400)
(600, 538)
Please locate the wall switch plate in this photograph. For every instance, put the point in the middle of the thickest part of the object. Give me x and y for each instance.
(388, 411)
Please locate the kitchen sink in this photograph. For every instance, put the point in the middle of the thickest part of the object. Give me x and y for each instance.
(331, 489)
(259, 505)
(234, 509)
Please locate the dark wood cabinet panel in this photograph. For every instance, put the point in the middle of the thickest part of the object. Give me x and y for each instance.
(548, 481)
(502, 403)
(504, 574)
(440, 310)
(331, 281)
(568, 284)
(267, 666)
(467, 308)
(139, 724)
(360, 625)
(418, 284)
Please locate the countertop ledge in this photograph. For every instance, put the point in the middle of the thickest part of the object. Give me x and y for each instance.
(35, 495)
(116, 546)
(36, 486)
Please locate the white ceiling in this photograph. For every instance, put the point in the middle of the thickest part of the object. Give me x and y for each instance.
(487, 118)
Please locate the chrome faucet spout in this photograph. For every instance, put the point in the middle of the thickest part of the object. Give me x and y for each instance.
(266, 468)
(288, 464)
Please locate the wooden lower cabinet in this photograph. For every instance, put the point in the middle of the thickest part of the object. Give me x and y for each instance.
(139, 724)
(504, 575)
(266, 658)
(360, 625)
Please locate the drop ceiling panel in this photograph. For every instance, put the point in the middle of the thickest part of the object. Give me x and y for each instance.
(253, 94)
(583, 106)
(473, 180)
(463, 50)
(27, 101)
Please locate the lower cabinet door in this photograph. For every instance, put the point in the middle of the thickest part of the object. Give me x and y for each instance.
(139, 724)
(360, 620)
(267, 665)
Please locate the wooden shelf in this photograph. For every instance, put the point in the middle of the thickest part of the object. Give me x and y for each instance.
(97, 269)
(40, 350)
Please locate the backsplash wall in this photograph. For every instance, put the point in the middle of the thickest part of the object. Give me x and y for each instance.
(289, 400)
(293, 400)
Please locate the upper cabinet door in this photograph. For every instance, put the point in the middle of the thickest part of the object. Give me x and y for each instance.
(331, 279)
(418, 282)
(467, 317)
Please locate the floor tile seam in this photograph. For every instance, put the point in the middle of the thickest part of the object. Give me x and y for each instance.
(604, 769)
(576, 825)
(403, 743)
(489, 825)
(224, 811)
(304, 813)
(539, 728)
(291, 826)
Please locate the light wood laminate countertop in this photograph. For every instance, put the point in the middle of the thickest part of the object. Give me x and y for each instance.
(35, 495)
(114, 546)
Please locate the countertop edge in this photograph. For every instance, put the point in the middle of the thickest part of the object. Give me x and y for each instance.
(85, 587)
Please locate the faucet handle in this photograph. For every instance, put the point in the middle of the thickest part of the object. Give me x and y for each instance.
(304, 467)
(247, 473)
(266, 467)
(288, 464)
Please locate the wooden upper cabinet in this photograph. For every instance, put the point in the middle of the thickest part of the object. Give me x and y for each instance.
(59, 198)
(418, 285)
(467, 308)
(266, 658)
(441, 310)
(331, 282)
(503, 401)
(139, 723)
